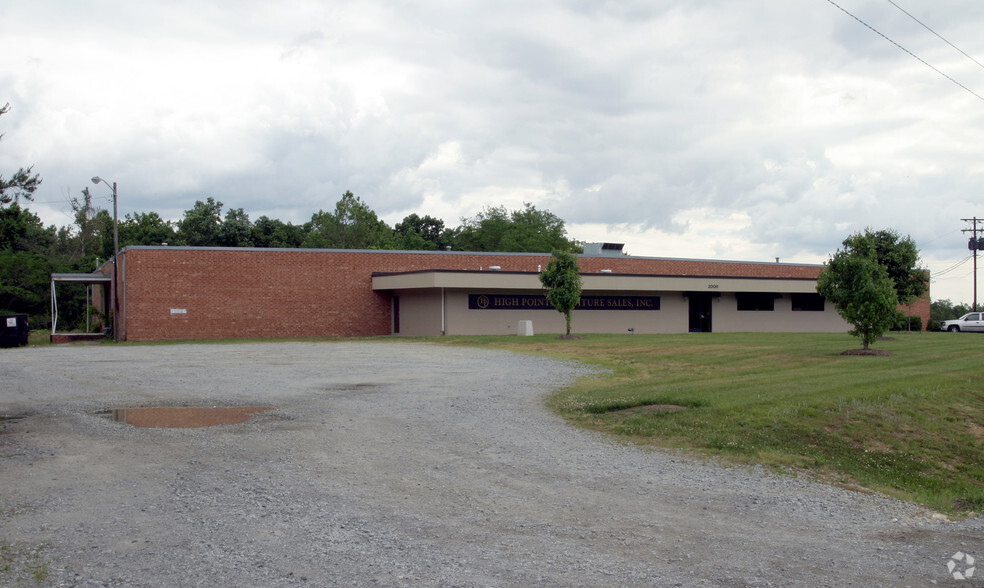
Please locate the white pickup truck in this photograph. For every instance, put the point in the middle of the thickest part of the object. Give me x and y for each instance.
(971, 322)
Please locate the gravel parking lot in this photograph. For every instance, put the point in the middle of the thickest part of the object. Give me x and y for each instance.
(400, 464)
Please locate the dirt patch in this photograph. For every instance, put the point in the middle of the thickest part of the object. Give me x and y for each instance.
(866, 352)
(854, 487)
(875, 445)
(185, 417)
(977, 431)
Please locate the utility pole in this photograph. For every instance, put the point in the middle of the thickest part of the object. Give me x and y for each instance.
(975, 244)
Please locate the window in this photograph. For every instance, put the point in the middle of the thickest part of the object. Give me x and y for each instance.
(808, 302)
(756, 301)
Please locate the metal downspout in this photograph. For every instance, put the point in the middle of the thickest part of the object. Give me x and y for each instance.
(123, 296)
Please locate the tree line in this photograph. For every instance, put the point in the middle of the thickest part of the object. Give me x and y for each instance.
(30, 251)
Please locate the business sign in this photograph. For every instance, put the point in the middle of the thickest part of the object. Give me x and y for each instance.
(539, 301)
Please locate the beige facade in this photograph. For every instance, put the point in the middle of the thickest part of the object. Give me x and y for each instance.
(429, 303)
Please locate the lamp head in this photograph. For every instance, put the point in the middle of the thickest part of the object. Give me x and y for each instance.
(96, 179)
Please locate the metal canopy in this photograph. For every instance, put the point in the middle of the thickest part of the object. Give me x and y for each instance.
(83, 278)
(88, 279)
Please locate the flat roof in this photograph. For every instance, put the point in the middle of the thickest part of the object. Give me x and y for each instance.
(455, 252)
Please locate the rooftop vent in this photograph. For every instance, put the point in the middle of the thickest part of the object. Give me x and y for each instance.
(610, 249)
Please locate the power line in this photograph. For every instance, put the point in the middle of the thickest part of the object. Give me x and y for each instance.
(940, 236)
(952, 267)
(925, 26)
(920, 59)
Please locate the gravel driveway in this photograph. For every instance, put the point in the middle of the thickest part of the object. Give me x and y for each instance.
(400, 464)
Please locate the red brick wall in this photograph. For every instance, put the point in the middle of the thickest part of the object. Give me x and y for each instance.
(272, 293)
(266, 293)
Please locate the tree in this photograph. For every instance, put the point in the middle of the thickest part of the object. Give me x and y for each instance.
(898, 255)
(536, 230)
(529, 230)
(86, 236)
(415, 233)
(236, 230)
(562, 279)
(483, 232)
(269, 232)
(24, 284)
(200, 225)
(28, 257)
(943, 310)
(22, 183)
(22, 230)
(353, 225)
(861, 290)
(142, 228)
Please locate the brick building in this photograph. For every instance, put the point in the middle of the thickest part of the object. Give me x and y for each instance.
(169, 293)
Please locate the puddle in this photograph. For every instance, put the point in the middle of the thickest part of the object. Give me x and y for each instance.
(185, 417)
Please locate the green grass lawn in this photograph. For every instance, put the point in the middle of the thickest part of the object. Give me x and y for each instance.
(910, 424)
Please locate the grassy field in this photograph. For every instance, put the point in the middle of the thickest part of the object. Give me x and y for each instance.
(910, 424)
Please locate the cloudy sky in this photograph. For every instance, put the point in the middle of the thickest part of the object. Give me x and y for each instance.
(716, 129)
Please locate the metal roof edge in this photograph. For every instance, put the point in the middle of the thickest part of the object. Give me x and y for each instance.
(595, 274)
(91, 278)
(455, 252)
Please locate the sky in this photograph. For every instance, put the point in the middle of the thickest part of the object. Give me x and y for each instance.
(742, 130)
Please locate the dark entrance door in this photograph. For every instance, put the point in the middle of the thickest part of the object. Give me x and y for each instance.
(700, 313)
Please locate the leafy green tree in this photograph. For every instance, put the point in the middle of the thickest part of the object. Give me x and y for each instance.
(562, 279)
(484, 232)
(528, 230)
(20, 185)
(24, 284)
(22, 230)
(898, 255)
(420, 233)
(141, 228)
(861, 290)
(269, 232)
(201, 224)
(353, 225)
(537, 230)
(236, 230)
(28, 257)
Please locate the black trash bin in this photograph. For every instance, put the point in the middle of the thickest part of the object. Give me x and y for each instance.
(13, 330)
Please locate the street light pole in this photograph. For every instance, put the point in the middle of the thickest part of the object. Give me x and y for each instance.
(116, 254)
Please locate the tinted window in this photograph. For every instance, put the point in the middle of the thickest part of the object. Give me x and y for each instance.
(809, 302)
(756, 301)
